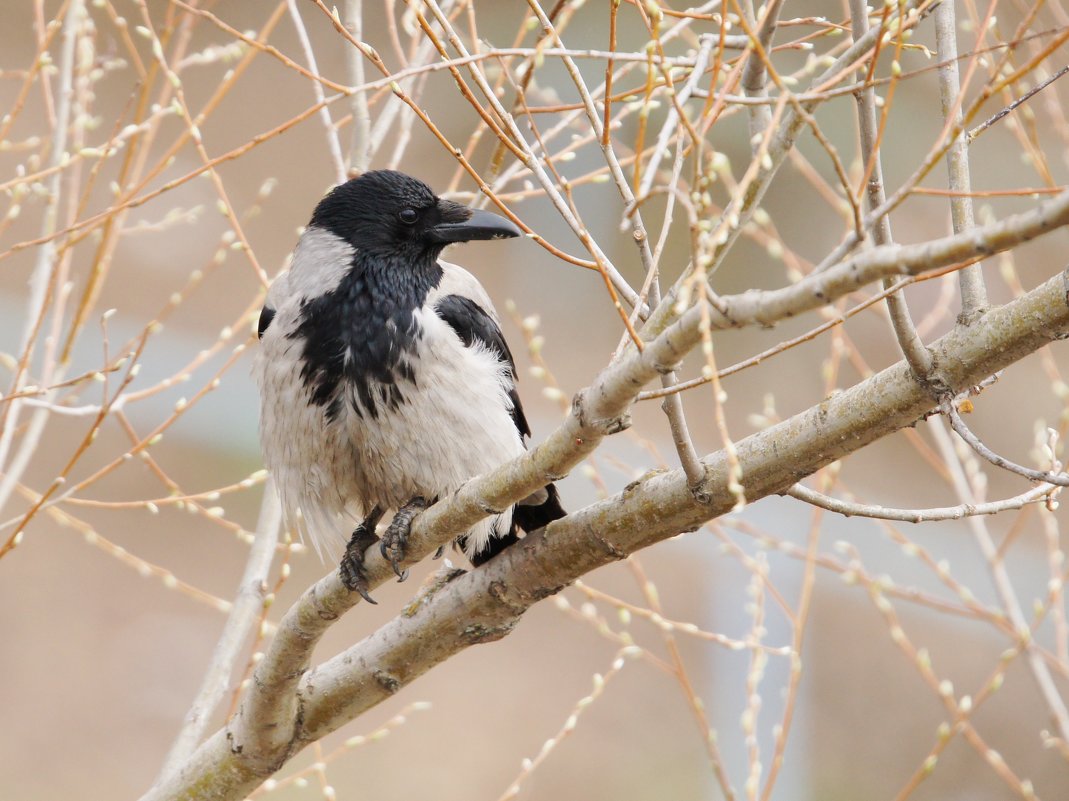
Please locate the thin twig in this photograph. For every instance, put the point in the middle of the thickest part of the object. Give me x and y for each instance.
(671, 122)
(1006, 592)
(979, 129)
(1059, 479)
(41, 283)
(360, 145)
(850, 509)
(920, 360)
(971, 279)
(333, 145)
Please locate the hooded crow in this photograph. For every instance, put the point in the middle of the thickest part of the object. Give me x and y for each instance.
(385, 381)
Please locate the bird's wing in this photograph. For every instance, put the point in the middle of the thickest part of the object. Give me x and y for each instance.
(460, 300)
(267, 314)
(276, 294)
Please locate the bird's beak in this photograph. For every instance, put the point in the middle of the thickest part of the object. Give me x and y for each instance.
(462, 224)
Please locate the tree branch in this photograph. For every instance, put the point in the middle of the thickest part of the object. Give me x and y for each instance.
(1041, 493)
(971, 279)
(360, 146)
(755, 75)
(909, 342)
(333, 144)
(1056, 477)
(244, 614)
(485, 604)
(817, 289)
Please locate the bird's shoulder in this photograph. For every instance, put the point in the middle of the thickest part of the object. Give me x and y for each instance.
(457, 281)
(319, 264)
(462, 303)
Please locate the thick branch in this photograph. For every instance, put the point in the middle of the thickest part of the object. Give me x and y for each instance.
(485, 604)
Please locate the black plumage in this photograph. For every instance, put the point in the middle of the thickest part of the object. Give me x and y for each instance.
(365, 332)
(267, 314)
(472, 324)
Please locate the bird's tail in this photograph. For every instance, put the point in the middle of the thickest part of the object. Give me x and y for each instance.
(528, 517)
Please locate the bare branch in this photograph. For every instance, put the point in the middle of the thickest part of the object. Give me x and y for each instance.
(770, 306)
(979, 129)
(901, 321)
(973, 291)
(41, 279)
(755, 75)
(333, 145)
(741, 208)
(360, 146)
(849, 509)
(244, 614)
(485, 604)
(1003, 585)
(670, 126)
(1059, 479)
(532, 162)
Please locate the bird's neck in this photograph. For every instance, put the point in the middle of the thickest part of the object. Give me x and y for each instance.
(360, 338)
(397, 284)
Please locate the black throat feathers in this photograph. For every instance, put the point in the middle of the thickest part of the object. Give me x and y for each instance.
(359, 340)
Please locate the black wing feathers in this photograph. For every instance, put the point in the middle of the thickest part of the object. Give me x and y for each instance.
(518, 417)
(472, 323)
(527, 518)
(267, 314)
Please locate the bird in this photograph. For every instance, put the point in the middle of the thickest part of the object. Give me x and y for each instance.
(385, 380)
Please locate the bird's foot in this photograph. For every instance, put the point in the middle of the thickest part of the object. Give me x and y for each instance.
(351, 570)
(393, 542)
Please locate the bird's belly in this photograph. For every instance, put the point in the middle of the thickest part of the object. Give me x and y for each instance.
(452, 423)
(449, 424)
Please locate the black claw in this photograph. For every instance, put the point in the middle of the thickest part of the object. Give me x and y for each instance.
(392, 545)
(393, 553)
(364, 594)
(439, 552)
(351, 570)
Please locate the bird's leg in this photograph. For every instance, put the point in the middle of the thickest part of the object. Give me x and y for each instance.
(351, 569)
(395, 539)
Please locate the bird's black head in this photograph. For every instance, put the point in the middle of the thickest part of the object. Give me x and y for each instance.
(388, 213)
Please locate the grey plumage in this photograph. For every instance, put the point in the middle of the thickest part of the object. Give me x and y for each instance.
(383, 372)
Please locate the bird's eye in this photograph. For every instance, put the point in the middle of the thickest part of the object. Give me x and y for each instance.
(407, 216)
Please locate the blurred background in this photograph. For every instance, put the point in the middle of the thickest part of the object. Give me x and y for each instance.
(116, 590)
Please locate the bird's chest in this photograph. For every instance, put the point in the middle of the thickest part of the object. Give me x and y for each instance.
(445, 422)
(359, 345)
